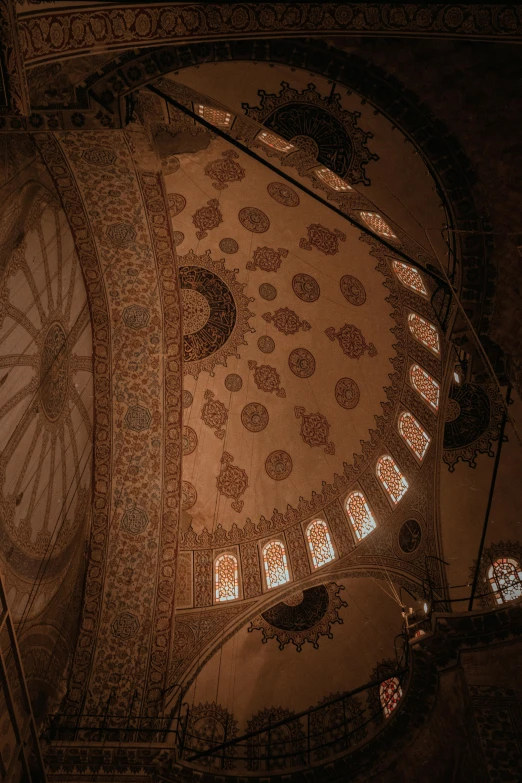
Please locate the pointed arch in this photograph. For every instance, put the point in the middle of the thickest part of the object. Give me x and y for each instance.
(360, 515)
(391, 478)
(414, 435)
(426, 386)
(424, 332)
(275, 564)
(505, 578)
(320, 543)
(226, 577)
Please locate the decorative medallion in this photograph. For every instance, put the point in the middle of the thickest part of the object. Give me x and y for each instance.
(177, 203)
(302, 363)
(315, 429)
(228, 245)
(473, 429)
(188, 495)
(178, 237)
(347, 393)
(339, 143)
(232, 481)
(121, 234)
(224, 170)
(323, 239)
(352, 290)
(214, 414)
(125, 626)
(254, 417)
(283, 194)
(305, 287)
(215, 313)
(187, 398)
(54, 371)
(267, 291)
(136, 316)
(233, 382)
(137, 418)
(99, 156)
(299, 621)
(286, 321)
(267, 378)
(267, 259)
(410, 535)
(278, 465)
(266, 344)
(190, 440)
(351, 340)
(254, 220)
(134, 521)
(207, 218)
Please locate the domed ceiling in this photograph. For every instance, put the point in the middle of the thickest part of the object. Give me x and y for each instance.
(287, 339)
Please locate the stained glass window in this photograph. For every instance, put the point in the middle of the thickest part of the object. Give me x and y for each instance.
(505, 578)
(378, 224)
(275, 141)
(360, 515)
(425, 385)
(320, 543)
(410, 277)
(390, 694)
(276, 567)
(425, 332)
(415, 436)
(226, 577)
(216, 116)
(332, 180)
(391, 478)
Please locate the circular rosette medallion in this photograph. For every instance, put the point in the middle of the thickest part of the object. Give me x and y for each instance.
(254, 417)
(215, 313)
(278, 465)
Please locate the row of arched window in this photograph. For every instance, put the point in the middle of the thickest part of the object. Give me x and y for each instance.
(395, 484)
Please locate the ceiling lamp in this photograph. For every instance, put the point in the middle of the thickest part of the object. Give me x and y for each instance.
(274, 141)
(332, 180)
(215, 116)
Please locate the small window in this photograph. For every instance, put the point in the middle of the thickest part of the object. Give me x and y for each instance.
(227, 579)
(390, 694)
(276, 567)
(360, 515)
(456, 376)
(378, 225)
(215, 116)
(274, 141)
(505, 578)
(425, 385)
(415, 436)
(320, 543)
(425, 332)
(332, 180)
(410, 277)
(391, 478)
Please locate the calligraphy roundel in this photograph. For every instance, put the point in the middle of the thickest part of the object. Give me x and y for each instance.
(215, 313)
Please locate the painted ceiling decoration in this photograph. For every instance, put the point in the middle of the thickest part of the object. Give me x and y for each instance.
(304, 116)
(302, 617)
(225, 350)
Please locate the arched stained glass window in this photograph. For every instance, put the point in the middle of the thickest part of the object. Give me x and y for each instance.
(275, 141)
(214, 115)
(425, 332)
(226, 578)
(276, 567)
(390, 694)
(415, 436)
(360, 515)
(410, 277)
(332, 180)
(425, 385)
(320, 543)
(391, 478)
(505, 578)
(378, 224)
